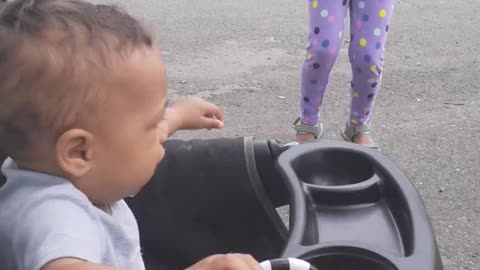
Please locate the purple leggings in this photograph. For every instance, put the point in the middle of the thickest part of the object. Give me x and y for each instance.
(370, 20)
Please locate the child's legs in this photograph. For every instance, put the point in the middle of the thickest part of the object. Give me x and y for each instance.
(370, 22)
(327, 22)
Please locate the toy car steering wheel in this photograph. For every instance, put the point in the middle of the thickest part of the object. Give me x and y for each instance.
(287, 264)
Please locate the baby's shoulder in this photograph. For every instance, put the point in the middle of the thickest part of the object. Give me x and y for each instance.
(23, 198)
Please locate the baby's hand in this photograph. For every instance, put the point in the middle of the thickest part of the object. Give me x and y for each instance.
(193, 113)
(227, 262)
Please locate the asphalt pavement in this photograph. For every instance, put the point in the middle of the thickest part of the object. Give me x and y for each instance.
(246, 55)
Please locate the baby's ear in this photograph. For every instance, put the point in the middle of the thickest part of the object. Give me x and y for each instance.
(74, 152)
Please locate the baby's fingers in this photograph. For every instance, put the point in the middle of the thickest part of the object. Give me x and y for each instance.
(214, 111)
(212, 122)
(231, 262)
(251, 262)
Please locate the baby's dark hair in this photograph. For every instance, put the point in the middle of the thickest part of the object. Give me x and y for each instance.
(52, 54)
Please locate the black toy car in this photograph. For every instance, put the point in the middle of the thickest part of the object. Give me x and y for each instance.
(351, 208)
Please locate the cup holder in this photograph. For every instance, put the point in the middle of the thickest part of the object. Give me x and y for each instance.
(349, 262)
(333, 168)
(353, 209)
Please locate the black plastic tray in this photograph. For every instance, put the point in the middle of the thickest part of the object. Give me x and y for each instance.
(353, 208)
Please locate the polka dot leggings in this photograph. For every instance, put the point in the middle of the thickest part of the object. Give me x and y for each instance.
(370, 20)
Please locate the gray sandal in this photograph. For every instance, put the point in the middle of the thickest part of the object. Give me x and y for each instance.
(302, 128)
(349, 133)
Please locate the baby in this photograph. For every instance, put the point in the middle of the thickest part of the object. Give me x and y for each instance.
(83, 115)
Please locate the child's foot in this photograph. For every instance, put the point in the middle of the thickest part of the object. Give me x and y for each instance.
(307, 133)
(364, 139)
(359, 135)
(305, 137)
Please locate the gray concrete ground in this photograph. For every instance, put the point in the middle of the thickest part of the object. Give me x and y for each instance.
(245, 55)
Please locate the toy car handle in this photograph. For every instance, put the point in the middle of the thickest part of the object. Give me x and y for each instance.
(287, 264)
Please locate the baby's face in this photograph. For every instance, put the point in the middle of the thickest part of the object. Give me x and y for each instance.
(129, 146)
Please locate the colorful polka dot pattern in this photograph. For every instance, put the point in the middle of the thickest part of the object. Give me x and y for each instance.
(363, 42)
(370, 23)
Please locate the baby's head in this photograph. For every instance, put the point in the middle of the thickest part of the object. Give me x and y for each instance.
(82, 95)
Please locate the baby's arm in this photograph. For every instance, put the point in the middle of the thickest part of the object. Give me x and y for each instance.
(215, 262)
(74, 264)
(193, 113)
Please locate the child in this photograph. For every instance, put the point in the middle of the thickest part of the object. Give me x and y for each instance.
(370, 22)
(83, 115)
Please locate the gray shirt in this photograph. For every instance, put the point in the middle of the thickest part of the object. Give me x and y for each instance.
(43, 218)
